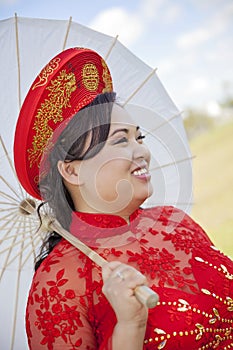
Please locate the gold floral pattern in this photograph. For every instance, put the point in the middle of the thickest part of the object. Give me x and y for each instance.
(51, 109)
(46, 72)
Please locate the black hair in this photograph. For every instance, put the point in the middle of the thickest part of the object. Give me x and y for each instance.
(89, 126)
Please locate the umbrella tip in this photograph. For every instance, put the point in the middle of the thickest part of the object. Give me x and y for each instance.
(27, 206)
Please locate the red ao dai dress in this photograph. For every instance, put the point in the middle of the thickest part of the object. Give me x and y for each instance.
(66, 307)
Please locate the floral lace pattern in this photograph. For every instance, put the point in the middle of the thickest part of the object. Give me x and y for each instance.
(67, 310)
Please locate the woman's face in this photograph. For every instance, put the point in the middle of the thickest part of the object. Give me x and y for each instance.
(117, 179)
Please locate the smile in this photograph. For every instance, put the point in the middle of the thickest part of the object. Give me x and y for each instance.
(140, 172)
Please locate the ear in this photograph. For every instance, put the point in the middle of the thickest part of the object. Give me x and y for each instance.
(69, 171)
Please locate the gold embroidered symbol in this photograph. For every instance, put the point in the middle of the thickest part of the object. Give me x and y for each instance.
(46, 72)
(106, 78)
(90, 77)
(59, 97)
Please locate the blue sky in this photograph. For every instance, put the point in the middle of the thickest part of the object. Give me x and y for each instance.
(190, 41)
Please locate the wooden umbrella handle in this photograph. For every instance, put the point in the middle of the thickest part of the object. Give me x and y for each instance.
(144, 294)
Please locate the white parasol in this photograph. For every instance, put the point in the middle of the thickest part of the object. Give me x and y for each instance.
(26, 46)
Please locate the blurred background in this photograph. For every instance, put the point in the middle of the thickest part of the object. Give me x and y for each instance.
(190, 42)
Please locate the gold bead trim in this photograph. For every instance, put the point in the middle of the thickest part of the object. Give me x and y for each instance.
(222, 267)
(183, 306)
(228, 301)
(163, 337)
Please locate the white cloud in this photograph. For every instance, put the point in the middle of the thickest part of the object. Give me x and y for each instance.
(173, 13)
(117, 21)
(166, 66)
(193, 38)
(193, 65)
(149, 8)
(214, 27)
(198, 85)
(162, 10)
(130, 25)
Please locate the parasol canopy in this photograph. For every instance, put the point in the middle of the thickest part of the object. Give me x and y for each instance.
(27, 44)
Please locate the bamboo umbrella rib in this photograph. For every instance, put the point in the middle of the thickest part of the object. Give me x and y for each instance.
(40, 232)
(32, 252)
(32, 241)
(4, 227)
(167, 121)
(28, 226)
(14, 222)
(17, 297)
(7, 222)
(8, 203)
(6, 218)
(23, 246)
(140, 86)
(9, 238)
(18, 59)
(9, 262)
(33, 245)
(19, 233)
(19, 241)
(67, 33)
(172, 163)
(8, 209)
(27, 231)
(10, 187)
(10, 162)
(7, 196)
(111, 47)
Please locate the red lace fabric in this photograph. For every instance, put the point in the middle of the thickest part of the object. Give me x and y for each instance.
(67, 310)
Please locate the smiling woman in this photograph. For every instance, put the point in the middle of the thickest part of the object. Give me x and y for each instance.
(117, 179)
(85, 156)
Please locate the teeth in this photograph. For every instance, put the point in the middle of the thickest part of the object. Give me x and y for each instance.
(140, 172)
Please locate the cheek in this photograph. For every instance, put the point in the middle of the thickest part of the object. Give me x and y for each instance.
(114, 169)
(112, 179)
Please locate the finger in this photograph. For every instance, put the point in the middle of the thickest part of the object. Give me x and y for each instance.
(129, 275)
(108, 269)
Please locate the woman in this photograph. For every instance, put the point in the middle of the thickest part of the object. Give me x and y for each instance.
(95, 176)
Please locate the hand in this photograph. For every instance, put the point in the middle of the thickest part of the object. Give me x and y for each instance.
(120, 280)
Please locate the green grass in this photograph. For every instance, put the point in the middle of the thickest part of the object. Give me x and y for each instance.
(213, 184)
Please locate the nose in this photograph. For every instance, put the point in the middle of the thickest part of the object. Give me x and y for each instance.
(141, 151)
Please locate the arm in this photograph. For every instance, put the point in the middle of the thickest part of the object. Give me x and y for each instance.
(119, 282)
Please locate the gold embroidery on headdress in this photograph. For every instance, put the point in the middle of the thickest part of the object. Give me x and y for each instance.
(59, 97)
(106, 78)
(90, 77)
(46, 72)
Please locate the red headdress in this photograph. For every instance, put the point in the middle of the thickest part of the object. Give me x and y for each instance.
(69, 82)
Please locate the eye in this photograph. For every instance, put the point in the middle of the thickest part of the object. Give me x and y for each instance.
(121, 140)
(140, 137)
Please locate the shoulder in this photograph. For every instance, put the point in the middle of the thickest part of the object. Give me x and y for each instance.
(176, 220)
(63, 266)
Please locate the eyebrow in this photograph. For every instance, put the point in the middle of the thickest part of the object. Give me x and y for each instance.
(123, 130)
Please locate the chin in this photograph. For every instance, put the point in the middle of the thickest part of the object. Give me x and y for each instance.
(144, 195)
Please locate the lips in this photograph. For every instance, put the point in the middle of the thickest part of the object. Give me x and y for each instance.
(140, 171)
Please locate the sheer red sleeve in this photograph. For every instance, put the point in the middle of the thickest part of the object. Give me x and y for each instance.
(57, 311)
